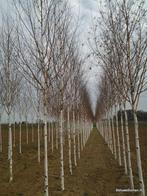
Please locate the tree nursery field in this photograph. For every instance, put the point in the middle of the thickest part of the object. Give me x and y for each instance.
(73, 91)
(97, 172)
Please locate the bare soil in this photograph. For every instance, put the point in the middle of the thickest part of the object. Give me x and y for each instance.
(97, 173)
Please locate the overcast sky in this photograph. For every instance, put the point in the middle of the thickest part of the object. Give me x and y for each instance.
(86, 10)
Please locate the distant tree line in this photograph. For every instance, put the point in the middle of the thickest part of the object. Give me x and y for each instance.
(141, 115)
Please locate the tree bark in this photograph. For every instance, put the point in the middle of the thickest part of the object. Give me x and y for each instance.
(128, 149)
(74, 139)
(1, 144)
(118, 138)
(69, 141)
(61, 150)
(10, 151)
(20, 149)
(56, 128)
(32, 133)
(82, 130)
(123, 141)
(78, 137)
(49, 131)
(27, 133)
(45, 157)
(52, 136)
(138, 153)
(38, 131)
(45, 147)
(110, 135)
(113, 136)
(14, 133)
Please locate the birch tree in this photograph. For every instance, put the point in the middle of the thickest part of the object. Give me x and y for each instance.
(10, 79)
(125, 41)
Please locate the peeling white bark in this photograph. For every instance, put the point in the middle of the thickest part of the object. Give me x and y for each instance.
(128, 150)
(74, 139)
(138, 153)
(1, 141)
(69, 142)
(118, 138)
(123, 141)
(61, 151)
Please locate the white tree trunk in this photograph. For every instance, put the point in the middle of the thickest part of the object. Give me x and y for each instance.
(61, 150)
(32, 133)
(82, 130)
(52, 136)
(38, 137)
(128, 150)
(27, 133)
(45, 156)
(123, 141)
(1, 144)
(104, 128)
(118, 138)
(84, 140)
(20, 149)
(49, 131)
(113, 136)
(78, 137)
(14, 133)
(138, 153)
(106, 131)
(110, 135)
(69, 141)
(74, 139)
(10, 150)
(56, 129)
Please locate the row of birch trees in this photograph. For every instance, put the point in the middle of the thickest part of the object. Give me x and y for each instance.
(41, 80)
(119, 45)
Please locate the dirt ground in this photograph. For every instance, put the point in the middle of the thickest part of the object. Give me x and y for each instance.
(97, 173)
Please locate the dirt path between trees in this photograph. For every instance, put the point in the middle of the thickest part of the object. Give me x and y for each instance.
(97, 173)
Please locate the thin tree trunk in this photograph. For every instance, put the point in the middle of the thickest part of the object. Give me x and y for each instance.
(102, 124)
(78, 137)
(69, 141)
(1, 144)
(52, 136)
(27, 133)
(113, 136)
(38, 131)
(32, 133)
(118, 138)
(74, 139)
(61, 150)
(20, 149)
(123, 141)
(45, 155)
(110, 135)
(138, 153)
(82, 130)
(14, 133)
(107, 133)
(10, 150)
(84, 142)
(128, 149)
(56, 128)
(104, 128)
(49, 131)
